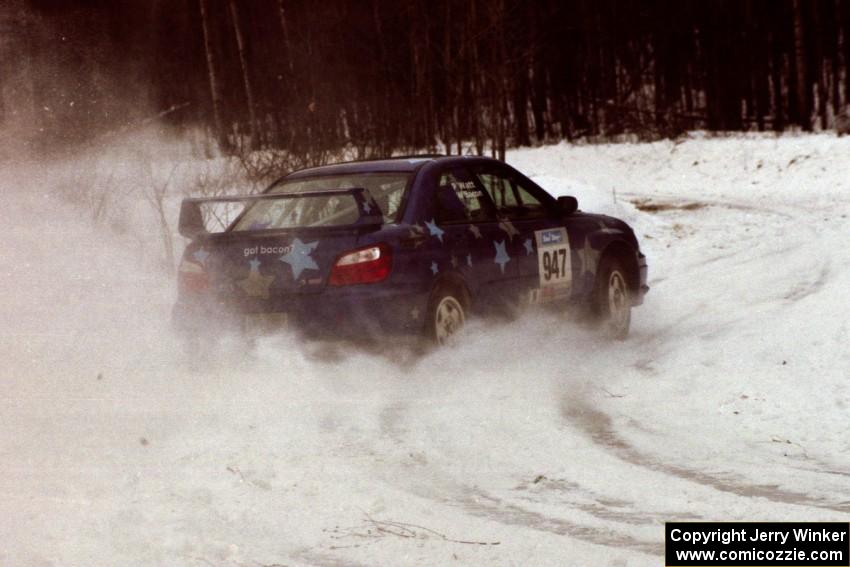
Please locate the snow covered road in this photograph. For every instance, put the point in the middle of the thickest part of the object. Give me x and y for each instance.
(532, 443)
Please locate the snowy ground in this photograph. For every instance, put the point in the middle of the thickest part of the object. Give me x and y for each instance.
(531, 444)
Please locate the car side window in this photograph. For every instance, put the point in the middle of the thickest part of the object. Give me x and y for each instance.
(460, 200)
(500, 190)
(511, 197)
(531, 205)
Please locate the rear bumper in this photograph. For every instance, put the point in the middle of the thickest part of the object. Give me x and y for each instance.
(642, 288)
(356, 312)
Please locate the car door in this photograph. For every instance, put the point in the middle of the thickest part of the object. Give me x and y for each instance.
(539, 238)
(476, 248)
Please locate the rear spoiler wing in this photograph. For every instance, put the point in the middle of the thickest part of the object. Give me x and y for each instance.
(191, 223)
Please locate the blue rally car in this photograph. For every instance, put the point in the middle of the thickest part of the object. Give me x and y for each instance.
(403, 245)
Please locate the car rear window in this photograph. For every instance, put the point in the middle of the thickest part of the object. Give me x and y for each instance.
(307, 211)
(386, 189)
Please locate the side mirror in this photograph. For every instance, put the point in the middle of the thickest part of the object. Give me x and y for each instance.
(567, 205)
(191, 223)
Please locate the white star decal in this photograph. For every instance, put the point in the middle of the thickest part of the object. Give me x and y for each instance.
(434, 229)
(299, 257)
(502, 256)
(434, 268)
(201, 256)
(529, 248)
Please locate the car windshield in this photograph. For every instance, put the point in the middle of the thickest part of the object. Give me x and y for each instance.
(387, 190)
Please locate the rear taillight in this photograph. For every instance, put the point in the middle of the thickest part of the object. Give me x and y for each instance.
(365, 265)
(191, 278)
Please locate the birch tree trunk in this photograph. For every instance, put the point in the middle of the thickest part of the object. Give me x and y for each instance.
(800, 61)
(475, 108)
(382, 126)
(246, 78)
(284, 28)
(501, 111)
(215, 89)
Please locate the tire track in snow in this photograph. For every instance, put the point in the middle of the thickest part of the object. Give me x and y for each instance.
(807, 280)
(601, 506)
(680, 207)
(599, 427)
(480, 503)
(803, 285)
(318, 559)
(810, 286)
(688, 204)
(435, 485)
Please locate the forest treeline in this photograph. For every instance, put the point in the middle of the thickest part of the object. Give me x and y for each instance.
(403, 75)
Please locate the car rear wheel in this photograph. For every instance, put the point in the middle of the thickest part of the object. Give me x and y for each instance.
(447, 317)
(612, 299)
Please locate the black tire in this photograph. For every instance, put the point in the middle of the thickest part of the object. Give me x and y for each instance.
(612, 298)
(446, 315)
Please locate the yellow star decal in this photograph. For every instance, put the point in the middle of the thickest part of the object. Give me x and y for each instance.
(256, 284)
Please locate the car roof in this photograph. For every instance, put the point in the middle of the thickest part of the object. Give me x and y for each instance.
(392, 164)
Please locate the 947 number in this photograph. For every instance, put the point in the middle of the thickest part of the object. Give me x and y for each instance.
(554, 264)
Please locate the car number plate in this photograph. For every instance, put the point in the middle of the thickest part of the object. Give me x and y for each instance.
(554, 263)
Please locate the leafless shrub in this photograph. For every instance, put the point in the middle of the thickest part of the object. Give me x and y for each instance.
(155, 192)
(96, 188)
(246, 172)
(215, 178)
(136, 183)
